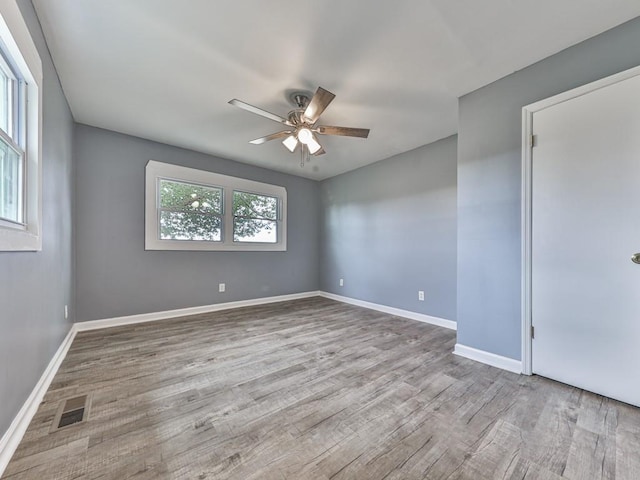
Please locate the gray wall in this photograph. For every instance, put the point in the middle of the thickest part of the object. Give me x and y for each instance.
(35, 286)
(116, 276)
(389, 229)
(489, 190)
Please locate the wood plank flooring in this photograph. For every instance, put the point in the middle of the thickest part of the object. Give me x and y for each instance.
(314, 389)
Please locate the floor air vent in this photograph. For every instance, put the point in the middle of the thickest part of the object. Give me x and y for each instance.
(71, 411)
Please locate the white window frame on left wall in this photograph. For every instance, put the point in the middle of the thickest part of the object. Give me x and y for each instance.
(19, 46)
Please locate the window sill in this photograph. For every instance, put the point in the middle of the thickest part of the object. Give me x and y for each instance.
(186, 245)
(17, 240)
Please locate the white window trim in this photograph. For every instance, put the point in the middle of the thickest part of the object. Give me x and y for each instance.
(20, 46)
(157, 170)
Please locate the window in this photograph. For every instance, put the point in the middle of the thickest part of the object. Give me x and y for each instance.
(255, 217)
(11, 182)
(11, 152)
(189, 209)
(20, 134)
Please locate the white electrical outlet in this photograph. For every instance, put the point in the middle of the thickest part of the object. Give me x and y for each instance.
(421, 295)
(342, 282)
(222, 287)
(66, 312)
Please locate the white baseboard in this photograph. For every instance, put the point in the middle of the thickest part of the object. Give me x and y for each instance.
(12, 437)
(420, 317)
(183, 312)
(488, 358)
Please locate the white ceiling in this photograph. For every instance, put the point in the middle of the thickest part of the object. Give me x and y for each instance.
(165, 69)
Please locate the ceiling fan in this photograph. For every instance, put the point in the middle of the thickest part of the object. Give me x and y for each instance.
(302, 123)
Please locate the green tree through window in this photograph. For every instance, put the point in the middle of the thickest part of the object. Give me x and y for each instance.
(254, 217)
(190, 212)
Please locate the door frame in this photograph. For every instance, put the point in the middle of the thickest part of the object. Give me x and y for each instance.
(528, 143)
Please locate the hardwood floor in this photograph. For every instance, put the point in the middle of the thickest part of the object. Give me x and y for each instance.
(314, 389)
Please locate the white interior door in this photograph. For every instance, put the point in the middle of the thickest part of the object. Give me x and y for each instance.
(585, 229)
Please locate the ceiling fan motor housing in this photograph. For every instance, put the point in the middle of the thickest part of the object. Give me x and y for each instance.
(296, 117)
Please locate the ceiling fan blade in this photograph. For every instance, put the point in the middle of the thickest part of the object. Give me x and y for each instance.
(259, 111)
(321, 100)
(343, 131)
(319, 152)
(273, 136)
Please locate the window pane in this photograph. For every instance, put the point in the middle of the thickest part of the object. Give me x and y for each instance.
(5, 102)
(10, 183)
(189, 197)
(254, 230)
(190, 226)
(252, 205)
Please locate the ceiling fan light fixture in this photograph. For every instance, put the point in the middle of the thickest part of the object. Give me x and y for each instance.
(313, 145)
(305, 135)
(290, 142)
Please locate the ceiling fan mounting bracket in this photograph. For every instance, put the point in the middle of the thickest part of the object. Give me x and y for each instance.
(300, 98)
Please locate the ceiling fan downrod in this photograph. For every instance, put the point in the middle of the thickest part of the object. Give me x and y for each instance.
(300, 99)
